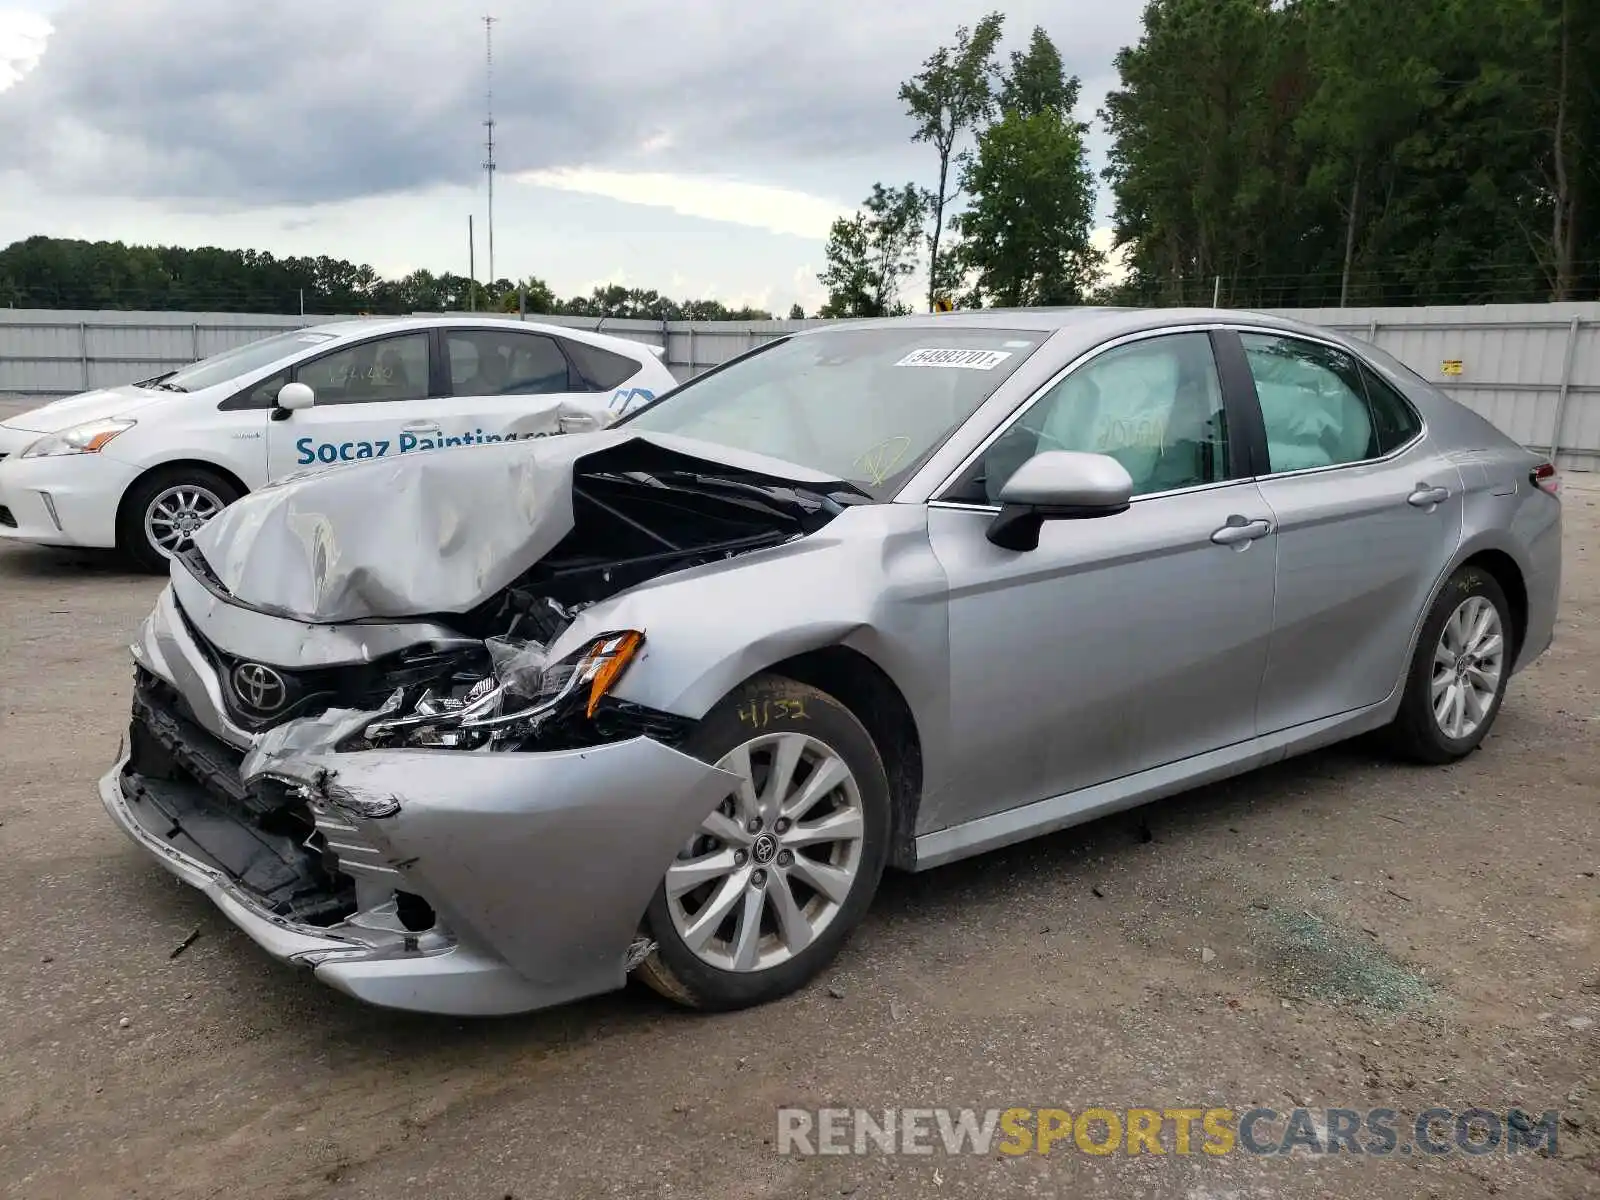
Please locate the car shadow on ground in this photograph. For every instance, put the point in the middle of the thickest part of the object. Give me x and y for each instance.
(67, 564)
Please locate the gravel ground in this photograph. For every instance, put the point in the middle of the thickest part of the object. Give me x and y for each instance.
(1336, 931)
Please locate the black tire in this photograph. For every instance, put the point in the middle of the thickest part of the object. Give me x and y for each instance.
(1415, 733)
(131, 537)
(674, 970)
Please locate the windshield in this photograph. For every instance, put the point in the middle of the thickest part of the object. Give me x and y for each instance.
(866, 404)
(230, 364)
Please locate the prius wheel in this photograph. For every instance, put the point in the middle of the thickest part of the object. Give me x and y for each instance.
(1459, 673)
(163, 511)
(762, 896)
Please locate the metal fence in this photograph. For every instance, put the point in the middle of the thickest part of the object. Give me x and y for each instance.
(1532, 369)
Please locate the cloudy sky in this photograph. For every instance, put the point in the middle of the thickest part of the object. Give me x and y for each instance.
(701, 148)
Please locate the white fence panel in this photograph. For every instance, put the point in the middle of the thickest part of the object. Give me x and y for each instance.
(1532, 369)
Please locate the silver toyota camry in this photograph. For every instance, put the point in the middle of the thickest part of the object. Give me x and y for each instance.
(491, 730)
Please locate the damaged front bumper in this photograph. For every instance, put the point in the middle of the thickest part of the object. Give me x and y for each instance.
(457, 882)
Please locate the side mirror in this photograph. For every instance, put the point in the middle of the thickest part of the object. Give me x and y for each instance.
(1058, 485)
(292, 397)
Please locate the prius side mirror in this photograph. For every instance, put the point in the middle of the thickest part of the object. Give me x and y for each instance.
(1058, 485)
(292, 397)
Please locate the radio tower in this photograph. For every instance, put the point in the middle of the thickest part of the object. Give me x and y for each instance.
(488, 124)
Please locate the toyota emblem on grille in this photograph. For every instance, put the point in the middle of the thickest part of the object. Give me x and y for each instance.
(259, 688)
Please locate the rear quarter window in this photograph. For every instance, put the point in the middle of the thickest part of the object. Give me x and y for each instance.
(1394, 421)
(600, 369)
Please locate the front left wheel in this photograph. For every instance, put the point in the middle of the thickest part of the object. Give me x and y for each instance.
(163, 511)
(766, 891)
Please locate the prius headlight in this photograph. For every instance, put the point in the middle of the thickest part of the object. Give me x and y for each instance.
(89, 438)
(525, 691)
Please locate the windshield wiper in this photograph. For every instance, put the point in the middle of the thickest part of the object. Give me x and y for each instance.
(167, 386)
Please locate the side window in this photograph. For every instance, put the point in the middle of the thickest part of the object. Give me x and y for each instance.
(1313, 403)
(257, 395)
(1395, 420)
(393, 368)
(601, 369)
(1154, 405)
(489, 362)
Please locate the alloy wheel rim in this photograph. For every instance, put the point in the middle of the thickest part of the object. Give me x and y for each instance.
(175, 515)
(1467, 665)
(771, 866)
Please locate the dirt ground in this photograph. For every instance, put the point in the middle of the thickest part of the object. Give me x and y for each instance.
(1336, 931)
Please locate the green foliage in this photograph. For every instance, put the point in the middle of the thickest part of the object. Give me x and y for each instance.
(951, 94)
(1038, 82)
(1025, 232)
(46, 272)
(870, 253)
(1369, 151)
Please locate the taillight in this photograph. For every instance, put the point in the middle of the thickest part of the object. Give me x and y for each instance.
(1545, 479)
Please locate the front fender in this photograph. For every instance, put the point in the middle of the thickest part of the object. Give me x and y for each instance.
(868, 581)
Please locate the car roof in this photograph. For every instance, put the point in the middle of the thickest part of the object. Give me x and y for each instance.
(360, 327)
(1097, 322)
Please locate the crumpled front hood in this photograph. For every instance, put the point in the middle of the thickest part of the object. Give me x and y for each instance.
(436, 534)
(87, 406)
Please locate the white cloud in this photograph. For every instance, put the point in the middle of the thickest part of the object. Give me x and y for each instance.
(756, 204)
(23, 36)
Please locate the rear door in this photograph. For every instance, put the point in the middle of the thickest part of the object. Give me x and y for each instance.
(509, 382)
(1368, 513)
(374, 399)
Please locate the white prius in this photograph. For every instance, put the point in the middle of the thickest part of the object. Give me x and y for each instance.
(142, 466)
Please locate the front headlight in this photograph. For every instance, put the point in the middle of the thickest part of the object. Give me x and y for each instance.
(524, 692)
(89, 438)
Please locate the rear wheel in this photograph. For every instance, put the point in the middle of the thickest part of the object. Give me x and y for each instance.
(1459, 672)
(163, 511)
(763, 895)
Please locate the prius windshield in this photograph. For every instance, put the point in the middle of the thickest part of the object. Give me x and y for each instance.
(866, 405)
(230, 364)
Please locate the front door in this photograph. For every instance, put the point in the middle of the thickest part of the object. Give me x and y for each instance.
(1368, 514)
(1123, 642)
(373, 400)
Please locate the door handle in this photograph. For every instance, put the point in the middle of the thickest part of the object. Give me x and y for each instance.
(1240, 532)
(1427, 497)
(421, 427)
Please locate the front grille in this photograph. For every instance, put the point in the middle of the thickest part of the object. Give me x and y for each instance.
(266, 838)
(160, 713)
(6, 518)
(309, 693)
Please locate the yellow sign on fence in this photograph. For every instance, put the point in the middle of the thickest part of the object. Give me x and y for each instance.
(1450, 366)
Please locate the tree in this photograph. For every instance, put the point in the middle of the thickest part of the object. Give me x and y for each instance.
(951, 93)
(796, 313)
(1308, 152)
(46, 272)
(1025, 233)
(870, 253)
(1037, 82)
(1203, 169)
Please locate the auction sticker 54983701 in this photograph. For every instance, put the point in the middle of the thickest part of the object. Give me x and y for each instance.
(971, 360)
